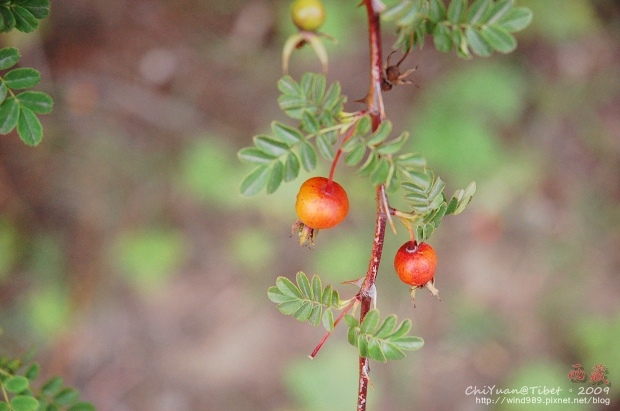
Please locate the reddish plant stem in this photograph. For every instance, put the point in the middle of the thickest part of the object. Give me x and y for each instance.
(347, 136)
(374, 101)
(374, 98)
(340, 317)
(367, 292)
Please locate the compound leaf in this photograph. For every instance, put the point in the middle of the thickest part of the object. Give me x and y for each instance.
(307, 300)
(381, 340)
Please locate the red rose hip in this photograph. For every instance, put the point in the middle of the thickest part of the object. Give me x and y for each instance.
(415, 265)
(321, 203)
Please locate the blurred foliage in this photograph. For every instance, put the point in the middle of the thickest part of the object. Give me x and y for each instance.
(543, 374)
(253, 250)
(47, 304)
(207, 171)
(326, 383)
(18, 394)
(456, 124)
(148, 258)
(577, 19)
(49, 310)
(330, 262)
(9, 243)
(597, 340)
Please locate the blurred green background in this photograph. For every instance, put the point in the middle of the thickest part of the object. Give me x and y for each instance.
(129, 259)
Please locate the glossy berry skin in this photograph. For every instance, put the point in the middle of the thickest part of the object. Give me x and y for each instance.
(321, 203)
(415, 263)
(308, 15)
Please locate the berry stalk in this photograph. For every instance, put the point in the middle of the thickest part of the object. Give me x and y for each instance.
(332, 170)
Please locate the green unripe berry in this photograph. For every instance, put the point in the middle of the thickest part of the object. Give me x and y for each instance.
(308, 15)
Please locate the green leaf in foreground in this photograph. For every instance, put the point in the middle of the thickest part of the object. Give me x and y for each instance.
(9, 114)
(9, 56)
(24, 20)
(36, 101)
(516, 19)
(255, 180)
(52, 386)
(29, 127)
(307, 300)
(66, 396)
(382, 340)
(16, 384)
(82, 406)
(22, 77)
(24, 403)
(499, 39)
